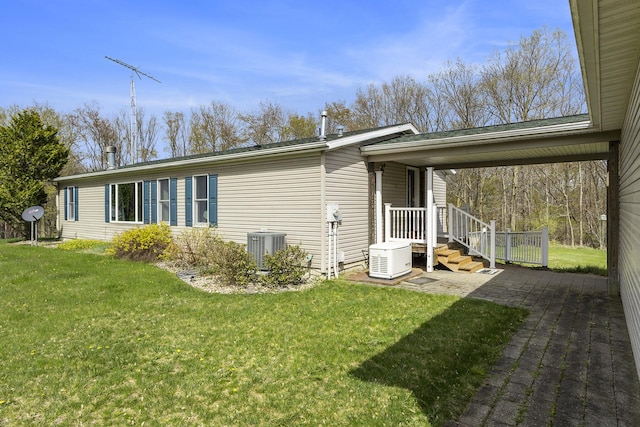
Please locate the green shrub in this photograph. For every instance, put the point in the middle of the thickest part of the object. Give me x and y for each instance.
(82, 245)
(193, 248)
(232, 264)
(287, 267)
(141, 243)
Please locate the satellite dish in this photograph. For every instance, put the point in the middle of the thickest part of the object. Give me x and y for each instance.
(34, 213)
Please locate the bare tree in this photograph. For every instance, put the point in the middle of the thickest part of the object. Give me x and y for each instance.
(298, 127)
(147, 132)
(265, 125)
(176, 133)
(461, 88)
(95, 134)
(339, 115)
(402, 100)
(537, 78)
(215, 127)
(147, 135)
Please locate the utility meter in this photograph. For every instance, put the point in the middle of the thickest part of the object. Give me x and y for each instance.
(333, 212)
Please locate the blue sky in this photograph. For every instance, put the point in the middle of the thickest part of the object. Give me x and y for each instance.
(297, 53)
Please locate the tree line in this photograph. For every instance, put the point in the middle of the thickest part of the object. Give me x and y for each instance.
(534, 78)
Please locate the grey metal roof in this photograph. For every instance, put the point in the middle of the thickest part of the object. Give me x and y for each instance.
(283, 148)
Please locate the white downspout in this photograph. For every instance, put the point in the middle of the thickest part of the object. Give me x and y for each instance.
(379, 214)
(430, 219)
(323, 206)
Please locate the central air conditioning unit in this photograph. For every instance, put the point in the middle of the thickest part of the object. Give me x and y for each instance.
(261, 243)
(389, 260)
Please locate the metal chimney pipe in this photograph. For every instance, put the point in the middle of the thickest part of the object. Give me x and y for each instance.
(111, 157)
(323, 126)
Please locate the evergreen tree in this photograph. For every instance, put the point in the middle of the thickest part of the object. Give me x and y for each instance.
(31, 153)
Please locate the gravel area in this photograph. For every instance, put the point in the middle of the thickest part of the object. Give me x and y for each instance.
(209, 283)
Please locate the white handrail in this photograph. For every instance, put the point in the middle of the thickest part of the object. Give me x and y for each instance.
(477, 236)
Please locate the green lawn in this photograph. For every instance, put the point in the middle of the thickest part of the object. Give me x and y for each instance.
(580, 260)
(89, 340)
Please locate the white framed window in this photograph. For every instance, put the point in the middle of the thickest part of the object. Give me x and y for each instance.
(126, 202)
(201, 200)
(71, 203)
(164, 201)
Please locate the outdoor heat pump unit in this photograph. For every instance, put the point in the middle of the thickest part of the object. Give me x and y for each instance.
(261, 243)
(389, 260)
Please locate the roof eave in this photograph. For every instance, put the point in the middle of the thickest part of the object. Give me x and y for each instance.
(584, 14)
(479, 139)
(386, 131)
(222, 158)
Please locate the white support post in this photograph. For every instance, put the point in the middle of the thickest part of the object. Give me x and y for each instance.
(430, 219)
(545, 247)
(507, 246)
(450, 225)
(492, 260)
(387, 222)
(379, 213)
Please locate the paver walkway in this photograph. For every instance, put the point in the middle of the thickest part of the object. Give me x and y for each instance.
(570, 364)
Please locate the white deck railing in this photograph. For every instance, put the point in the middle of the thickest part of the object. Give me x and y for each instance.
(477, 236)
(410, 224)
(405, 224)
(531, 247)
(480, 238)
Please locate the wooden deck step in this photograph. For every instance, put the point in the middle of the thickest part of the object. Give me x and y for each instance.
(471, 267)
(452, 258)
(455, 260)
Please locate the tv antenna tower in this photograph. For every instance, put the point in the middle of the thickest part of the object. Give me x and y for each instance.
(134, 136)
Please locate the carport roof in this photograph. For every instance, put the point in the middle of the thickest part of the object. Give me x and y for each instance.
(561, 139)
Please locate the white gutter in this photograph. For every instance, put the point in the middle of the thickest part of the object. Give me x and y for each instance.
(353, 139)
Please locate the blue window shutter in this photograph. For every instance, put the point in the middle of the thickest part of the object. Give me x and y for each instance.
(146, 204)
(188, 202)
(66, 206)
(107, 193)
(75, 199)
(154, 202)
(213, 200)
(173, 201)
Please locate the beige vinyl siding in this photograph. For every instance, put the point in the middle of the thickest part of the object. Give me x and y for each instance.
(629, 249)
(277, 195)
(91, 224)
(347, 184)
(440, 188)
(394, 185)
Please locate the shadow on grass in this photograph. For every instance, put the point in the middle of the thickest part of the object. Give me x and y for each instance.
(445, 360)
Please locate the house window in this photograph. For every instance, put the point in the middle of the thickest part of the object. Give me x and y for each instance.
(126, 202)
(201, 200)
(164, 212)
(71, 204)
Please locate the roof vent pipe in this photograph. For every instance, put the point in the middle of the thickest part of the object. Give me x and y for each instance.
(111, 157)
(340, 131)
(323, 126)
